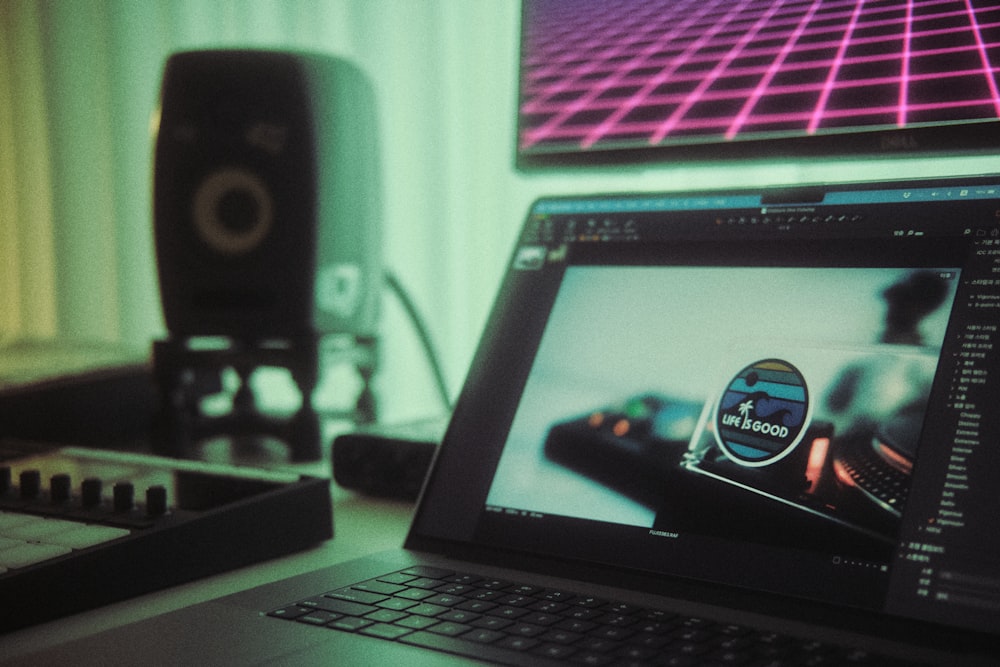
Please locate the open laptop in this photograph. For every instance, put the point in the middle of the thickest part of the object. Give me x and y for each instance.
(728, 427)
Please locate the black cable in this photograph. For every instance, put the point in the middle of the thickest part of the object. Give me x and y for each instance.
(422, 334)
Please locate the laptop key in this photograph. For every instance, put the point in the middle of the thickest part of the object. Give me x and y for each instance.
(492, 623)
(417, 622)
(725, 657)
(489, 652)
(376, 586)
(541, 619)
(350, 623)
(593, 659)
(290, 612)
(476, 606)
(353, 595)
(526, 630)
(425, 582)
(525, 589)
(459, 616)
(637, 654)
(508, 612)
(561, 637)
(689, 661)
(515, 600)
(557, 596)
(599, 645)
(345, 607)
(613, 632)
(385, 631)
(397, 604)
(584, 614)
(576, 625)
(318, 617)
(518, 643)
(415, 594)
(548, 607)
(483, 636)
(449, 628)
(589, 602)
(429, 572)
(426, 609)
(487, 595)
(455, 589)
(444, 600)
(648, 640)
(386, 616)
(554, 651)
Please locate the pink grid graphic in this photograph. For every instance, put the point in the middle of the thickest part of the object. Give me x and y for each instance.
(624, 73)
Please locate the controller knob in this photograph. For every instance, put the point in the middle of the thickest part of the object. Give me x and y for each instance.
(60, 488)
(124, 497)
(90, 492)
(31, 484)
(156, 501)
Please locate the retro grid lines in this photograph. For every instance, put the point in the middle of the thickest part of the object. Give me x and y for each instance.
(622, 73)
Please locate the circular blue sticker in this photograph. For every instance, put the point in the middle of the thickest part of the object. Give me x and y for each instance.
(763, 413)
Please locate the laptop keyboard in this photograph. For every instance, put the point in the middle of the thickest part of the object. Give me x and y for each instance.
(506, 622)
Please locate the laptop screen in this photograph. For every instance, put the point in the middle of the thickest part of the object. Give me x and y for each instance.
(785, 390)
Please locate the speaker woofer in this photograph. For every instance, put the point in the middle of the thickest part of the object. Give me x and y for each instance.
(233, 211)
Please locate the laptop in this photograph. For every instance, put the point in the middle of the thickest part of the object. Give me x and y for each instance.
(722, 427)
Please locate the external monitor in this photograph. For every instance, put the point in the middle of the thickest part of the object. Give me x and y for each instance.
(633, 81)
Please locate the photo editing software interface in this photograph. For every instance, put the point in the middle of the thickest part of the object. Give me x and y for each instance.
(635, 74)
(727, 390)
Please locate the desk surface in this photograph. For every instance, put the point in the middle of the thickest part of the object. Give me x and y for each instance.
(361, 526)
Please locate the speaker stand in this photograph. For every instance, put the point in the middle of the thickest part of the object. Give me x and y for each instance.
(186, 370)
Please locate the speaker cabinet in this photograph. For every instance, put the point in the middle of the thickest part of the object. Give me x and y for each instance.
(266, 216)
(266, 196)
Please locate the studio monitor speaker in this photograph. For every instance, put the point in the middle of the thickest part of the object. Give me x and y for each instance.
(266, 195)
